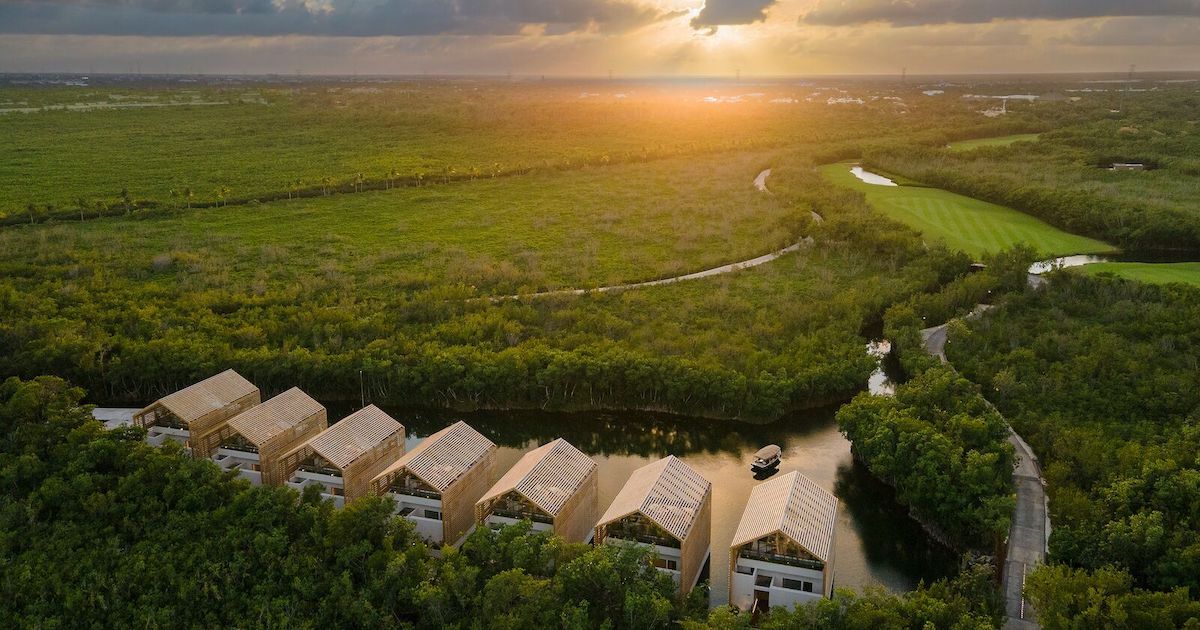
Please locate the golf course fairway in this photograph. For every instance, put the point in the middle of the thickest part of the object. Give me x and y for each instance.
(973, 226)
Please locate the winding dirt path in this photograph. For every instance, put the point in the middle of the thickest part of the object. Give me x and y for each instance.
(715, 271)
(760, 182)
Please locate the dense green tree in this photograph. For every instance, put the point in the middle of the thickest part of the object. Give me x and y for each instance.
(944, 449)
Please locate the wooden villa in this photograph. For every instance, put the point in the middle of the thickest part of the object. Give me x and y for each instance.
(344, 458)
(553, 486)
(782, 553)
(436, 484)
(194, 412)
(255, 440)
(667, 507)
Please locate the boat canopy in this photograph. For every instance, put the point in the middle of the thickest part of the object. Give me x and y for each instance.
(768, 452)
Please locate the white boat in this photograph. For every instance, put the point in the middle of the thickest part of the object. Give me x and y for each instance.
(767, 458)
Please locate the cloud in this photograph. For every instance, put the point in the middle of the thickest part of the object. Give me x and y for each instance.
(349, 18)
(1132, 32)
(724, 12)
(919, 12)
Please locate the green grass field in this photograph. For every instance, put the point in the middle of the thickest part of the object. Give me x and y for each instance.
(973, 226)
(261, 141)
(1002, 141)
(1152, 273)
(579, 229)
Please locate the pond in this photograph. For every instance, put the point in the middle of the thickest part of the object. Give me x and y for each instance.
(875, 541)
(867, 177)
(1064, 262)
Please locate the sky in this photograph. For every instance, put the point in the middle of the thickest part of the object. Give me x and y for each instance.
(630, 38)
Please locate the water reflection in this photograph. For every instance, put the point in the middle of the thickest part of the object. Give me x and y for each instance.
(880, 382)
(875, 541)
(1079, 260)
(867, 177)
(1063, 262)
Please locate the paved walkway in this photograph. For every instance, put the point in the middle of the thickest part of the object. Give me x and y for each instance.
(1027, 536)
(935, 337)
(1030, 530)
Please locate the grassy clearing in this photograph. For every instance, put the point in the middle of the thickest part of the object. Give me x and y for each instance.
(1152, 273)
(583, 229)
(273, 141)
(973, 226)
(1002, 141)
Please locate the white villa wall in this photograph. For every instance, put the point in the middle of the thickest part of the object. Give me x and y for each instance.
(429, 529)
(332, 487)
(157, 436)
(744, 584)
(243, 461)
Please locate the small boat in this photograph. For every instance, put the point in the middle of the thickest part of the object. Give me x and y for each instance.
(767, 458)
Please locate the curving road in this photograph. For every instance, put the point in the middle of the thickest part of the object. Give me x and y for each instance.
(760, 182)
(1029, 532)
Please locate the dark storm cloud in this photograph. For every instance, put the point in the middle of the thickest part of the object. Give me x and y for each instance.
(321, 17)
(920, 12)
(721, 12)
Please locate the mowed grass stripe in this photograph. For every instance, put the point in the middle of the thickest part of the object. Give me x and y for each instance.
(1151, 273)
(1000, 141)
(973, 226)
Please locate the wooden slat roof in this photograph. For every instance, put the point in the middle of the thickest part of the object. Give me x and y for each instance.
(207, 396)
(354, 435)
(444, 456)
(548, 476)
(667, 492)
(261, 423)
(794, 506)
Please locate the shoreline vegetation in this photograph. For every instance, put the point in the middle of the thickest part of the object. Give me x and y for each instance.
(285, 558)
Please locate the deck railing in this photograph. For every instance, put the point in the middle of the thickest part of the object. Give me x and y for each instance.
(536, 517)
(793, 561)
(417, 492)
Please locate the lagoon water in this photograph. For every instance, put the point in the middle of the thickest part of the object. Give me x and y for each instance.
(868, 177)
(875, 542)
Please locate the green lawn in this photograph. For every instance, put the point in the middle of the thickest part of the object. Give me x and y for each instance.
(971, 225)
(1002, 141)
(1153, 273)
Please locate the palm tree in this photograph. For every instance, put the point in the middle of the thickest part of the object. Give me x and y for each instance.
(392, 176)
(296, 186)
(222, 194)
(326, 183)
(83, 204)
